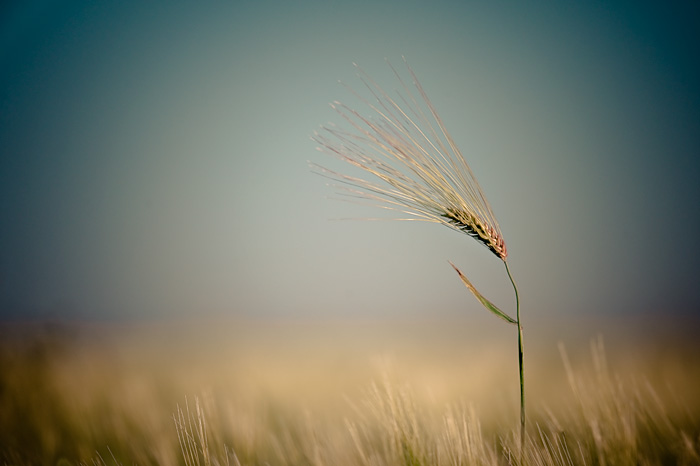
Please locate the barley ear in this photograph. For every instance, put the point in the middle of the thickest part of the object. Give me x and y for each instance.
(485, 302)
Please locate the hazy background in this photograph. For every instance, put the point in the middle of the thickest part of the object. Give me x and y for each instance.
(154, 159)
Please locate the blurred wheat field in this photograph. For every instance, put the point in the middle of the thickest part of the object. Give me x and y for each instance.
(341, 392)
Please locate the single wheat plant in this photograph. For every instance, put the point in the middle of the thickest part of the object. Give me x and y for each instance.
(416, 169)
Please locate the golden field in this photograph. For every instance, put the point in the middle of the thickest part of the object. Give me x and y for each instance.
(346, 392)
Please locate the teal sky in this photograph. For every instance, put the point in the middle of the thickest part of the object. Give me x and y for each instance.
(154, 158)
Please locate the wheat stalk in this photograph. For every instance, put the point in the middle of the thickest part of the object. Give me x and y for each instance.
(417, 170)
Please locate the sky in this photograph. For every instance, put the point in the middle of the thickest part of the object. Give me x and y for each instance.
(154, 158)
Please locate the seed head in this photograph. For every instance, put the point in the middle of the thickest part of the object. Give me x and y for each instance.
(415, 165)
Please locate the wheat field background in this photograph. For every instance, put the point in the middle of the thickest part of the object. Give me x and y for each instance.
(325, 392)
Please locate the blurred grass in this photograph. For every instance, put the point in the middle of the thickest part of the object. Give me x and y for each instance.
(342, 392)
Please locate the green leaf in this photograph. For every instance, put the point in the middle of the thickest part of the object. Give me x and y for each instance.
(486, 303)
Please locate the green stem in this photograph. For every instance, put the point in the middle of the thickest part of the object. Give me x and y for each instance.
(520, 363)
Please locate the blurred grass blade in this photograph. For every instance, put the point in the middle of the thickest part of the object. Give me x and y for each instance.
(487, 304)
